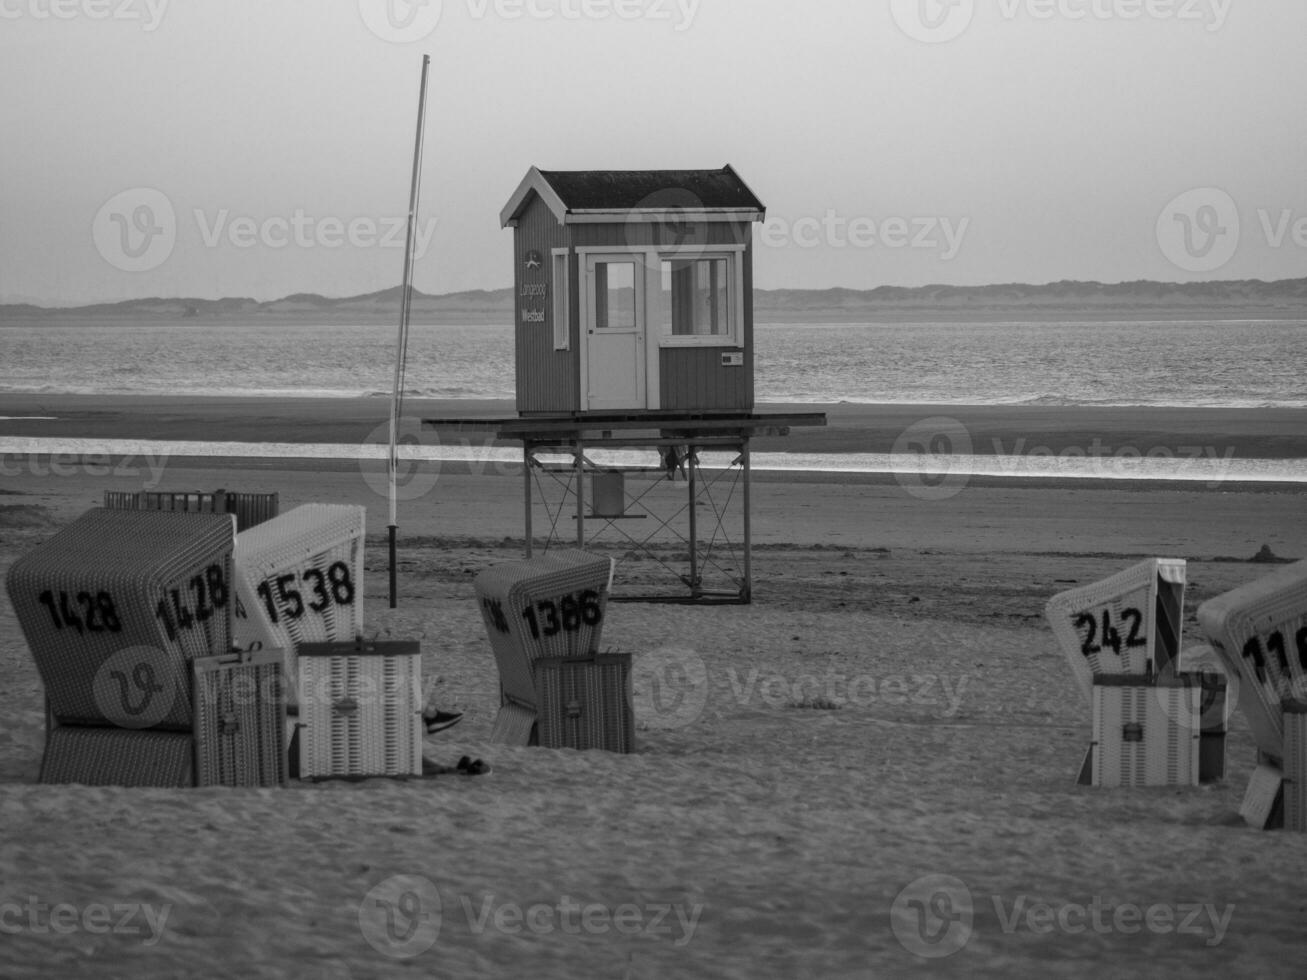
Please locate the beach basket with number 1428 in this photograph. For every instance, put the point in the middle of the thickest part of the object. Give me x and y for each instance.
(299, 579)
(128, 616)
(115, 581)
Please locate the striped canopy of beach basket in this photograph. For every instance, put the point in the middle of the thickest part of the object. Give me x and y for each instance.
(299, 579)
(115, 607)
(1259, 632)
(128, 616)
(1129, 623)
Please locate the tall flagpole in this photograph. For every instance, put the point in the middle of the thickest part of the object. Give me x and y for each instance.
(406, 302)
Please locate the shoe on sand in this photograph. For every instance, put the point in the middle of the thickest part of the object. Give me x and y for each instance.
(438, 721)
(472, 767)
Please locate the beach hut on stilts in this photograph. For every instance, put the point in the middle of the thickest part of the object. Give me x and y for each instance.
(634, 359)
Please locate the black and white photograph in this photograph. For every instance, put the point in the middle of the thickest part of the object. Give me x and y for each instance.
(653, 488)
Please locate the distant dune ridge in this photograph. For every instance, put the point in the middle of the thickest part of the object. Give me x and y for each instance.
(1286, 298)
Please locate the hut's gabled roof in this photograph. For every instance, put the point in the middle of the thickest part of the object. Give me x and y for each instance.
(610, 195)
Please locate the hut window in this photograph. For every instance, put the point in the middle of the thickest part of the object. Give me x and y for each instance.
(614, 295)
(562, 313)
(695, 300)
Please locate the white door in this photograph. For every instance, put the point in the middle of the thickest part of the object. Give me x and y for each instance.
(614, 338)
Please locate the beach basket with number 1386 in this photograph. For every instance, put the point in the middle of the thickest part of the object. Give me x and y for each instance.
(548, 607)
(300, 579)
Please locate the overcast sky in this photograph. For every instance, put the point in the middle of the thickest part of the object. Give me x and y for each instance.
(263, 147)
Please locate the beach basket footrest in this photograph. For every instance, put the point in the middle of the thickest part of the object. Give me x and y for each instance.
(95, 756)
(360, 709)
(240, 720)
(1146, 732)
(585, 702)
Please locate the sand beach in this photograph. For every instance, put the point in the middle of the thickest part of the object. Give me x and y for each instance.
(891, 708)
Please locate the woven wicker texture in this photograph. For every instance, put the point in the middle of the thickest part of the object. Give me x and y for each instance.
(585, 703)
(1146, 735)
(117, 757)
(1295, 765)
(250, 508)
(300, 579)
(240, 720)
(550, 606)
(1129, 623)
(360, 709)
(1262, 805)
(515, 724)
(1259, 631)
(237, 737)
(116, 605)
(1215, 717)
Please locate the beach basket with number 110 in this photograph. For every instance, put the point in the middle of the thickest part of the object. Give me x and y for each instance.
(545, 609)
(1259, 631)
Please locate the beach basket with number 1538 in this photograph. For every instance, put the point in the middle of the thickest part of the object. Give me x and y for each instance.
(300, 579)
(1126, 624)
(548, 607)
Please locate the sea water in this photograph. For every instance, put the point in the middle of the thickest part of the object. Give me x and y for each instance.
(1198, 363)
